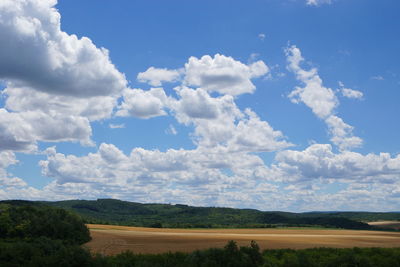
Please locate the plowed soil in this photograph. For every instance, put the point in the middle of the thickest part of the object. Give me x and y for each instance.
(109, 239)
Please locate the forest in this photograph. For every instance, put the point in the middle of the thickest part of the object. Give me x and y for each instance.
(117, 212)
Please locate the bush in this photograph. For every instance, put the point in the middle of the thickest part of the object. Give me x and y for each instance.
(42, 252)
(34, 222)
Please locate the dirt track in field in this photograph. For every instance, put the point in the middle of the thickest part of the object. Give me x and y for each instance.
(110, 239)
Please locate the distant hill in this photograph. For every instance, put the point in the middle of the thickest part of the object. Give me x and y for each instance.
(360, 216)
(112, 211)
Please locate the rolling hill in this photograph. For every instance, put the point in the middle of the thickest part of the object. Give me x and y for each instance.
(112, 211)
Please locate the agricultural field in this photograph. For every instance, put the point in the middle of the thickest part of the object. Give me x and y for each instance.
(386, 224)
(111, 239)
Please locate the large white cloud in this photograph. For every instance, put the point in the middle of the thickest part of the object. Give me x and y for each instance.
(211, 176)
(20, 131)
(321, 100)
(15, 133)
(198, 104)
(223, 74)
(55, 83)
(111, 165)
(25, 99)
(220, 73)
(31, 116)
(319, 161)
(37, 54)
(219, 122)
(214, 119)
(188, 176)
(254, 135)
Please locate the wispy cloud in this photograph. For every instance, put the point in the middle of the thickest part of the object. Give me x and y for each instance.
(116, 126)
(378, 77)
(321, 100)
(171, 130)
(318, 2)
(350, 93)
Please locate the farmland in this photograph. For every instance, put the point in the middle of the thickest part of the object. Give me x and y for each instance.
(111, 240)
(395, 225)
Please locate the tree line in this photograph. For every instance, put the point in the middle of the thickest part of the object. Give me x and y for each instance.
(117, 212)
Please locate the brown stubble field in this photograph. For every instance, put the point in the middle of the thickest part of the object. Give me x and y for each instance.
(387, 224)
(110, 239)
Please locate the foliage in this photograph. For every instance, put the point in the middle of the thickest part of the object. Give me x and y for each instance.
(359, 216)
(42, 251)
(333, 257)
(231, 256)
(47, 252)
(36, 235)
(111, 211)
(29, 222)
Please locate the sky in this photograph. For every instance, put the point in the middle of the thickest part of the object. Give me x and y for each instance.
(288, 105)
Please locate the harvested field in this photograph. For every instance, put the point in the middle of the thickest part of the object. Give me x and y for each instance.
(109, 239)
(387, 224)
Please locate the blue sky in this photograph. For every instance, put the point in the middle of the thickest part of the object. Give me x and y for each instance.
(273, 104)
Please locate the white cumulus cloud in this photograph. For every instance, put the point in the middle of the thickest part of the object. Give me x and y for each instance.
(223, 74)
(7, 181)
(200, 177)
(23, 99)
(342, 133)
(320, 99)
(55, 82)
(156, 76)
(219, 122)
(350, 93)
(197, 104)
(319, 161)
(38, 54)
(21, 131)
(143, 104)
